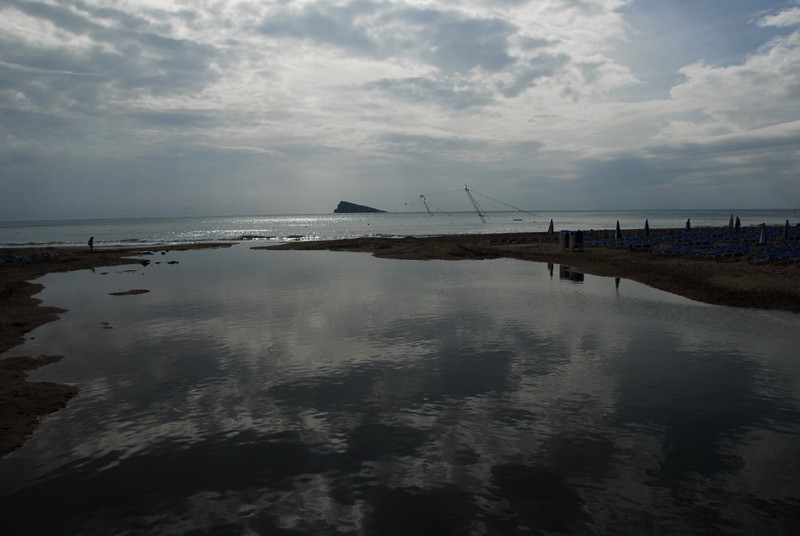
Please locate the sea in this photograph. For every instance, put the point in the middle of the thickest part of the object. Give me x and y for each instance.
(253, 391)
(116, 232)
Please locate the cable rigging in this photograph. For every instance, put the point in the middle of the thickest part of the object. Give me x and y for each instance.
(426, 205)
(425, 202)
(504, 204)
(482, 214)
(478, 208)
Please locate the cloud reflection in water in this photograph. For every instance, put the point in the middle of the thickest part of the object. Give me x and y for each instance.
(320, 392)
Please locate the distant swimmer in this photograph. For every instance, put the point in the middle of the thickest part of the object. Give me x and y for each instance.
(91, 243)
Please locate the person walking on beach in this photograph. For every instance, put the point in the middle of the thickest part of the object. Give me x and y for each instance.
(91, 243)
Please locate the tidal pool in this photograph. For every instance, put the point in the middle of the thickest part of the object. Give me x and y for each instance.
(290, 392)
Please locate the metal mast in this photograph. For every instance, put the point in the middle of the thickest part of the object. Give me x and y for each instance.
(426, 205)
(475, 204)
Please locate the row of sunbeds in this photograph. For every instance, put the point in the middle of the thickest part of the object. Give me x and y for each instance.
(14, 259)
(745, 243)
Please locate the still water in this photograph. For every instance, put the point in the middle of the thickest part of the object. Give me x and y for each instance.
(290, 392)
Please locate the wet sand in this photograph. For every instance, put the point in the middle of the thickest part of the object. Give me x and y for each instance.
(22, 403)
(739, 283)
(734, 283)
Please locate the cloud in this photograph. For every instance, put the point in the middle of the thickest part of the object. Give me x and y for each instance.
(526, 98)
(787, 17)
(180, 119)
(446, 39)
(428, 148)
(244, 149)
(87, 59)
(764, 90)
(528, 72)
(441, 92)
(324, 24)
(459, 44)
(722, 171)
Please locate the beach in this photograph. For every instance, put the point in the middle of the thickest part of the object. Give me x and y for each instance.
(739, 283)
(735, 283)
(317, 390)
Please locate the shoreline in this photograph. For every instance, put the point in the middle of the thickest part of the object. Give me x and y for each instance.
(23, 403)
(738, 283)
(729, 282)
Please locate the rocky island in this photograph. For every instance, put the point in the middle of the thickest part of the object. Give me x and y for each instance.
(346, 207)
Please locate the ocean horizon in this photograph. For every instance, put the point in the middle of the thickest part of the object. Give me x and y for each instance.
(158, 231)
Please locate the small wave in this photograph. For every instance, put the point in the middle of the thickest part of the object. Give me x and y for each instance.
(389, 235)
(34, 244)
(256, 237)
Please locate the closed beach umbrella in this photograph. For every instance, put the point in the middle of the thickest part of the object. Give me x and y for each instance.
(646, 228)
(550, 228)
(618, 234)
(762, 237)
(786, 231)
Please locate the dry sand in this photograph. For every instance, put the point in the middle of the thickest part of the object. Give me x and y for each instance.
(733, 283)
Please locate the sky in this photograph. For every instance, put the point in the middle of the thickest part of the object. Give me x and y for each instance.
(136, 108)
